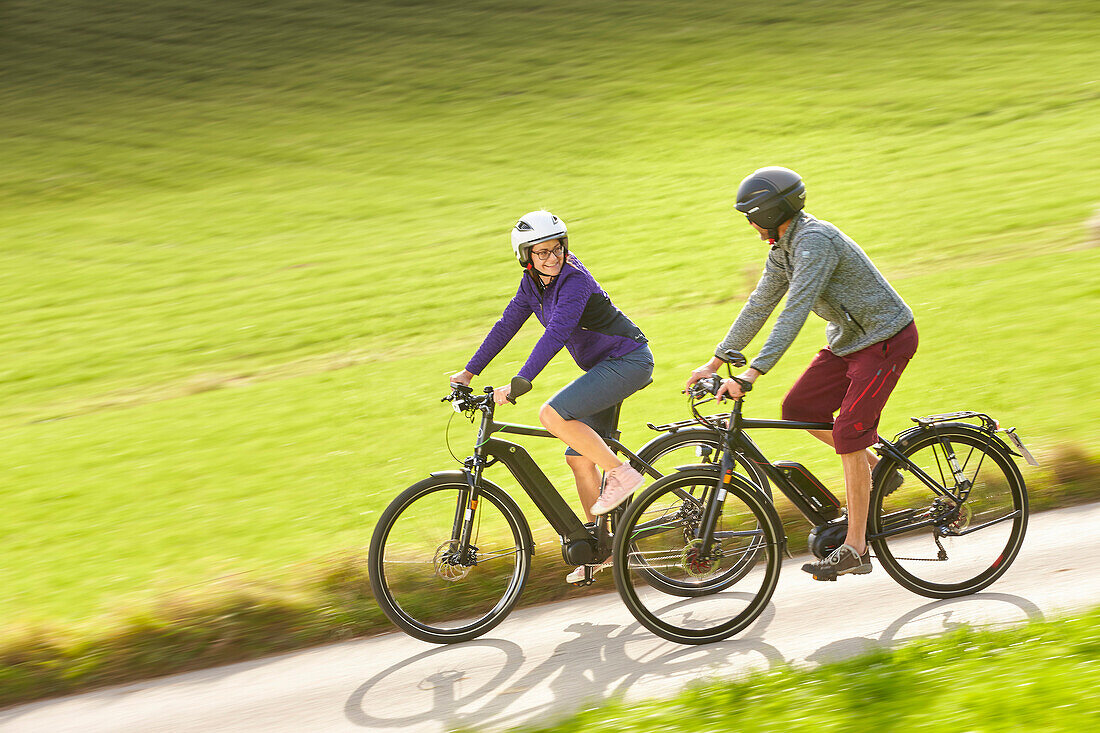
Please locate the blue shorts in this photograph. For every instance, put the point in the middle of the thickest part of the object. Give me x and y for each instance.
(591, 397)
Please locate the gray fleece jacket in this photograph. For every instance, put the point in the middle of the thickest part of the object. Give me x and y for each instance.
(825, 272)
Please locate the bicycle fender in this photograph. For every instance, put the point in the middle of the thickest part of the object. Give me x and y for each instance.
(455, 473)
(697, 466)
(903, 440)
(907, 436)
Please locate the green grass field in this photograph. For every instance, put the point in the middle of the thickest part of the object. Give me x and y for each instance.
(244, 243)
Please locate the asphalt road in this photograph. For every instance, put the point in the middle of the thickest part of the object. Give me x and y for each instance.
(547, 661)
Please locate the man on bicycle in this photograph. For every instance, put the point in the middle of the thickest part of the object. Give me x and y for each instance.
(871, 338)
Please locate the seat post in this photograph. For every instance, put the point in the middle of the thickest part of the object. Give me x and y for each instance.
(616, 434)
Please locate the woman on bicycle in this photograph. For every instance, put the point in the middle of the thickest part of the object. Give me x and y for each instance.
(608, 346)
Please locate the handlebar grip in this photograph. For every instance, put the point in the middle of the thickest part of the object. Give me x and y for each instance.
(707, 385)
(520, 387)
(711, 384)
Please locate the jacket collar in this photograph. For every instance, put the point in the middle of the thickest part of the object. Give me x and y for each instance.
(784, 242)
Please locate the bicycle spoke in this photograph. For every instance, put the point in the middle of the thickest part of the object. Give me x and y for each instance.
(942, 545)
(429, 585)
(722, 588)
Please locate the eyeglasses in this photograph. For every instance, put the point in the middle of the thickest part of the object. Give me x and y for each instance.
(544, 254)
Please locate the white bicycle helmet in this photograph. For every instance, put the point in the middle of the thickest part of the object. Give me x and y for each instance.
(535, 227)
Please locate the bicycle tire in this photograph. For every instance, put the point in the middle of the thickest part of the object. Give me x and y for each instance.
(419, 584)
(749, 540)
(933, 547)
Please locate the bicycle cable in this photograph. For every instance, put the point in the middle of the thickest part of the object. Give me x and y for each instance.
(447, 439)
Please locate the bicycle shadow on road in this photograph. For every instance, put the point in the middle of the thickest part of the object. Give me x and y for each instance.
(486, 683)
(601, 662)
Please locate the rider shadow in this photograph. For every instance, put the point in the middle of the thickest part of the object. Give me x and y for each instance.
(596, 665)
(937, 618)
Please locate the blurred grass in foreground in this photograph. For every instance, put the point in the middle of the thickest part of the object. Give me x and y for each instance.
(1042, 676)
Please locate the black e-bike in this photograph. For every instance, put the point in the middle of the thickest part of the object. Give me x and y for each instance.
(451, 554)
(948, 512)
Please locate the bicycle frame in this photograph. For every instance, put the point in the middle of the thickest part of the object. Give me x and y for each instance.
(531, 478)
(737, 440)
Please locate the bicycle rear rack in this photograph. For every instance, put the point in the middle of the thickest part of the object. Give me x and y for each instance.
(988, 423)
(721, 418)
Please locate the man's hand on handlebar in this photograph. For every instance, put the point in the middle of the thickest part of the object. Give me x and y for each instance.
(736, 388)
(729, 388)
(703, 372)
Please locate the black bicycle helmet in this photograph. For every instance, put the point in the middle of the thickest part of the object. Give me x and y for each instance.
(771, 196)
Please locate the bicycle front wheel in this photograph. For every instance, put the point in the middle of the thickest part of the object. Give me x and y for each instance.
(427, 584)
(939, 546)
(660, 532)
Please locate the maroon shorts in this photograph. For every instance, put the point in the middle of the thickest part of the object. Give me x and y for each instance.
(855, 387)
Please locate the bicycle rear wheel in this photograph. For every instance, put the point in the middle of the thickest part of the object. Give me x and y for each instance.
(696, 446)
(659, 533)
(424, 584)
(686, 448)
(934, 546)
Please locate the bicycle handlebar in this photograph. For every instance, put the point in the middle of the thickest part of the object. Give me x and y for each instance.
(710, 385)
(463, 398)
(520, 387)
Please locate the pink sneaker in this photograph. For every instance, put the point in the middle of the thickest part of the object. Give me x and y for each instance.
(577, 576)
(618, 485)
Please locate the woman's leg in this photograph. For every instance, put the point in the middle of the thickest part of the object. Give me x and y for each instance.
(577, 414)
(587, 475)
(580, 437)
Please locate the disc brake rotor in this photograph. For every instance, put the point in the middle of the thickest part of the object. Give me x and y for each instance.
(692, 561)
(962, 521)
(447, 566)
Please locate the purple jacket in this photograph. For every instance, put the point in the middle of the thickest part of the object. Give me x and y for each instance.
(576, 313)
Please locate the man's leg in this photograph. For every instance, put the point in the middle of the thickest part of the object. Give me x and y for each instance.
(857, 489)
(826, 437)
(872, 374)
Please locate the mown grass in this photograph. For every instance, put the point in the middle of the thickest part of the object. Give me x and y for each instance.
(1042, 676)
(245, 243)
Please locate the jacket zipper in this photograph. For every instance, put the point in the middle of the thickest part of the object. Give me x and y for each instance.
(853, 320)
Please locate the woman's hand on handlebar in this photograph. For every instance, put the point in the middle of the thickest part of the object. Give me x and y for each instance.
(501, 394)
(463, 377)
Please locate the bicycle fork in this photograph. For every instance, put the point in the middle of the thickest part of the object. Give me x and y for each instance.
(713, 509)
(462, 528)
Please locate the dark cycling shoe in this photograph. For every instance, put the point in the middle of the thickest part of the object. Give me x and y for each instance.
(892, 482)
(844, 560)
